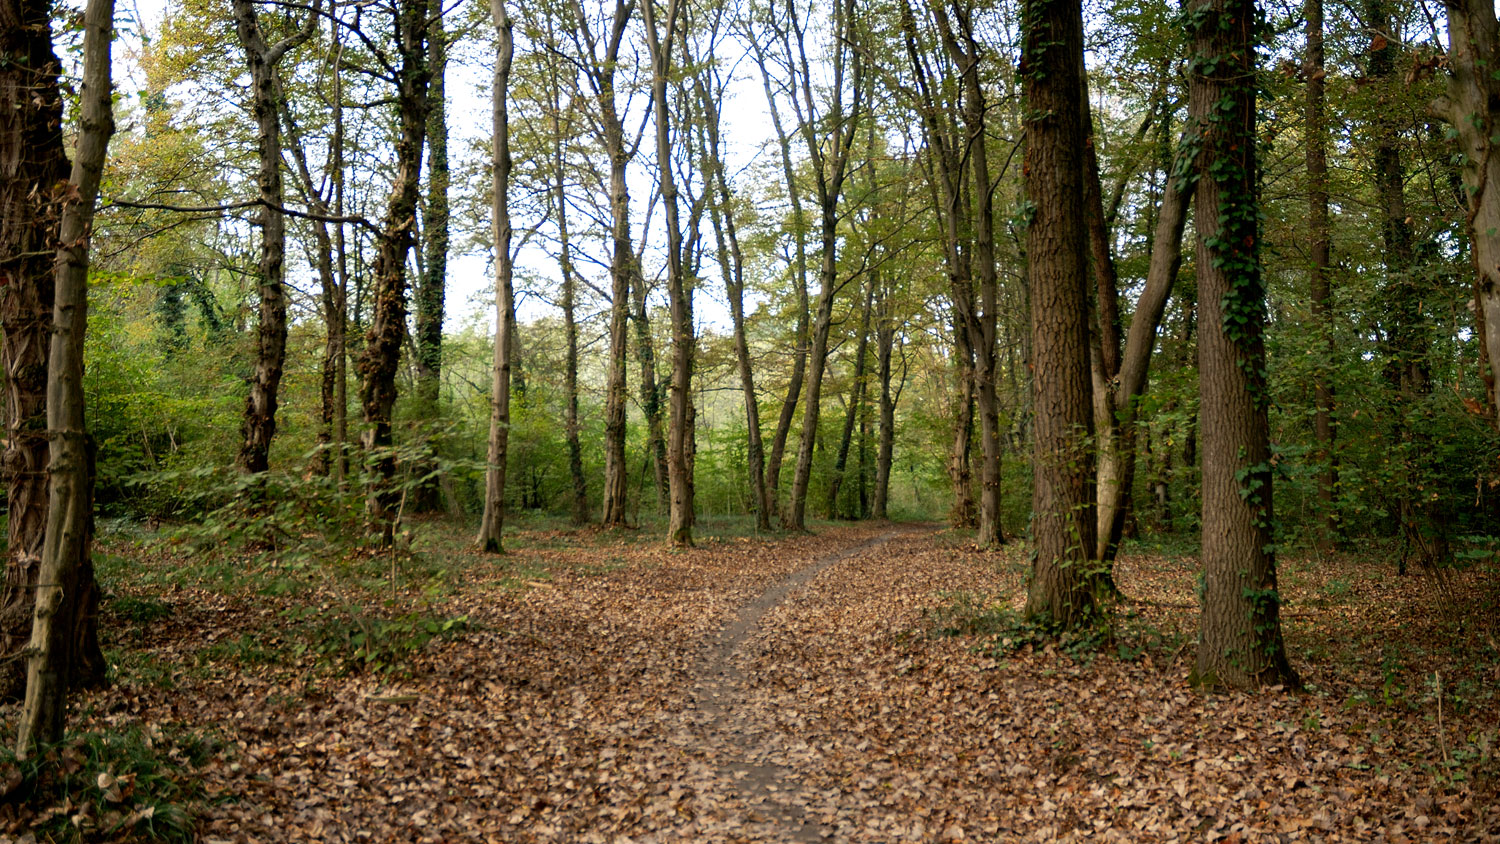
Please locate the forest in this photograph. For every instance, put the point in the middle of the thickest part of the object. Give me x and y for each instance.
(750, 420)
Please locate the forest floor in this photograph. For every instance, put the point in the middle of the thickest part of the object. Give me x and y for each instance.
(864, 683)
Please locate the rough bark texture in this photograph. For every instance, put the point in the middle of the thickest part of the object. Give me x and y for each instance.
(259, 424)
(679, 290)
(1472, 108)
(1319, 267)
(382, 352)
(33, 169)
(856, 402)
(580, 497)
(885, 345)
(1408, 337)
(1116, 470)
(492, 524)
(600, 70)
(830, 157)
(431, 287)
(1239, 642)
(1062, 499)
(66, 599)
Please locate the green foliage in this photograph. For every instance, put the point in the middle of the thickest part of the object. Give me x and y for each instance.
(1004, 631)
(136, 784)
(349, 640)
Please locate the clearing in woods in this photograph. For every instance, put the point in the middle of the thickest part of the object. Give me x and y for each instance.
(860, 684)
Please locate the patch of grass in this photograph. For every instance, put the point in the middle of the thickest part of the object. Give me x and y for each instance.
(140, 611)
(131, 785)
(141, 668)
(353, 641)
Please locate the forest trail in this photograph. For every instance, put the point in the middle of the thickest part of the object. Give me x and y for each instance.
(730, 729)
(603, 690)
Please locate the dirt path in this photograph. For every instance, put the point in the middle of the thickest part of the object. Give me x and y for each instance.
(730, 730)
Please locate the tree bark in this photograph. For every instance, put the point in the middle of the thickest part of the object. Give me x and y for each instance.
(382, 352)
(1063, 522)
(732, 267)
(492, 524)
(801, 339)
(856, 401)
(259, 425)
(434, 278)
(33, 167)
(600, 69)
(1319, 270)
(679, 291)
(830, 157)
(66, 598)
(1239, 643)
(1472, 108)
(885, 343)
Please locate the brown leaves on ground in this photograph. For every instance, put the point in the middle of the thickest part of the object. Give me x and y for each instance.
(607, 701)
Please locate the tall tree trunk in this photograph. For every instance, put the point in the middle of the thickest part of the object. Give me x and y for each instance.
(66, 598)
(259, 424)
(679, 290)
(492, 524)
(732, 268)
(1407, 337)
(1472, 108)
(1063, 523)
(830, 158)
(382, 352)
(33, 164)
(1320, 237)
(856, 401)
(601, 71)
(580, 498)
(885, 343)
(1117, 453)
(650, 385)
(1239, 641)
(801, 339)
(962, 514)
(431, 286)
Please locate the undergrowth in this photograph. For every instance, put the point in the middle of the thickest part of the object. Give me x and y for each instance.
(1003, 631)
(135, 784)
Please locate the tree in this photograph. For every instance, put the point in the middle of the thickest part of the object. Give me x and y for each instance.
(35, 165)
(491, 526)
(1063, 526)
(1319, 268)
(679, 293)
(270, 360)
(1239, 640)
(1471, 106)
(66, 573)
(378, 361)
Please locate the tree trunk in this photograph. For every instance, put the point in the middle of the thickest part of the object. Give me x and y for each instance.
(1408, 339)
(962, 515)
(66, 598)
(580, 498)
(856, 401)
(885, 343)
(601, 72)
(434, 278)
(382, 352)
(33, 164)
(1063, 525)
(492, 524)
(1472, 108)
(1239, 642)
(732, 267)
(679, 290)
(801, 338)
(1320, 236)
(259, 424)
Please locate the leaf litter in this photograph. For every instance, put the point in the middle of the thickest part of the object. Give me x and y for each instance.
(795, 689)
